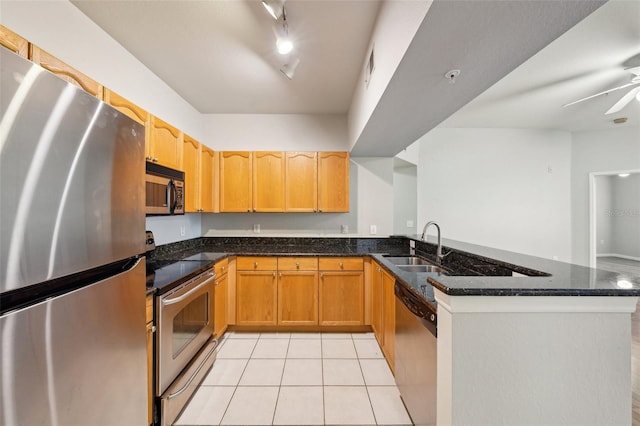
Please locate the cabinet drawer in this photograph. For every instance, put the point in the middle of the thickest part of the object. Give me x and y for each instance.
(341, 264)
(257, 263)
(149, 309)
(298, 263)
(221, 267)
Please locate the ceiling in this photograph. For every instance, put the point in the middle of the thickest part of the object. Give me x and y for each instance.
(520, 61)
(589, 58)
(220, 55)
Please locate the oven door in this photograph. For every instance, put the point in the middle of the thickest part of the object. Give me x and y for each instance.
(184, 326)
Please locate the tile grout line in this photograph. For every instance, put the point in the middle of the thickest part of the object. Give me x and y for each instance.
(275, 408)
(235, 389)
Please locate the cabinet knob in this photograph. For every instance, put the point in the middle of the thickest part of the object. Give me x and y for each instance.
(274, 275)
(216, 283)
(298, 265)
(320, 210)
(341, 265)
(321, 274)
(222, 268)
(149, 158)
(155, 159)
(280, 275)
(254, 210)
(255, 264)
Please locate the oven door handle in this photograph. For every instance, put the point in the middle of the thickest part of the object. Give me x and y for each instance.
(167, 302)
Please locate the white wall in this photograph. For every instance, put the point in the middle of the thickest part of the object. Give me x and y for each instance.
(625, 215)
(169, 229)
(504, 188)
(596, 151)
(395, 27)
(61, 29)
(405, 202)
(604, 205)
(283, 132)
(375, 195)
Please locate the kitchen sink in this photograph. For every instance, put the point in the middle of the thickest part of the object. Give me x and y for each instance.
(407, 260)
(423, 268)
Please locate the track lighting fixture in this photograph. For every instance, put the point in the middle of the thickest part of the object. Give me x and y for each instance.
(289, 68)
(274, 7)
(284, 44)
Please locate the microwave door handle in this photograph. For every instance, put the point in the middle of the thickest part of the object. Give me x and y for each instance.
(172, 195)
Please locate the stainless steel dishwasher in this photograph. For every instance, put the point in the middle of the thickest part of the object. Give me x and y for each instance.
(416, 355)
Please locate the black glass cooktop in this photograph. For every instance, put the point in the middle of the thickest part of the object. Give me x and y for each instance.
(166, 274)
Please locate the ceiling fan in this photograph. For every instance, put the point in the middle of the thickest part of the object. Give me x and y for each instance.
(628, 97)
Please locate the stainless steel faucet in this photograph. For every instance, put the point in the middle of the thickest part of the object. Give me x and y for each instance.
(439, 255)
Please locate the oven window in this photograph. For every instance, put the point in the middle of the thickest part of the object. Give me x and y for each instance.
(189, 322)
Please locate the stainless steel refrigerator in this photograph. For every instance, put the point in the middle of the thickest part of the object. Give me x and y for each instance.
(72, 278)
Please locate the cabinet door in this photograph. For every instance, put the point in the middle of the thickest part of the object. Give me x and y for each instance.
(132, 111)
(333, 181)
(190, 166)
(256, 298)
(298, 298)
(342, 298)
(166, 144)
(207, 157)
(376, 303)
(220, 312)
(389, 318)
(301, 182)
(268, 181)
(14, 42)
(235, 181)
(66, 72)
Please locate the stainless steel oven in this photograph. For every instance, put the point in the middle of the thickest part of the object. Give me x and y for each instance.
(164, 190)
(185, 347)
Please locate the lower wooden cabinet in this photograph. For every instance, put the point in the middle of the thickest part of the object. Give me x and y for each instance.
(256, 291)
(341, 291)
(389, 318)
(376, 302)
(297, 291)
(220, 321)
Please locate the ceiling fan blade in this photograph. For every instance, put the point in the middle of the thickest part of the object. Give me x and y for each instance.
(601, 93)
(623, 101)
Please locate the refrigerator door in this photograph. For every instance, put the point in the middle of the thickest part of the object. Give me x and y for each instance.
(79, 358)
(71, 178)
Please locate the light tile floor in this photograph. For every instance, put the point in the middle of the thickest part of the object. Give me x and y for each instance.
(297, 379)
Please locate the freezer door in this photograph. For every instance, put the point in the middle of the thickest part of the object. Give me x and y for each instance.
(79, 358)
(71, 178)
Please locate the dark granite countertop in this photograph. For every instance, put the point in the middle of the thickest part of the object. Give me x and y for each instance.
(483, 271)
(559, 279)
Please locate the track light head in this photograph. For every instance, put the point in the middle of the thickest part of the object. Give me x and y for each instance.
(289, 68)
(274, 7)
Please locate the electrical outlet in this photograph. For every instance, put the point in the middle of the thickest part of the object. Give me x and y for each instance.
(256, 228)
(409, 224)
(554, 257)
(183, 230)
(373, 229)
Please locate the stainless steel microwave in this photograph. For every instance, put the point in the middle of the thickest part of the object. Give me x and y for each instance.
(164, 190)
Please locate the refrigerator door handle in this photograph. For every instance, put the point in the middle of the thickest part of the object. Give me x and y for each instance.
(167, 302)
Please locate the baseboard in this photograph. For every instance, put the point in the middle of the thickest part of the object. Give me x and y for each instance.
(621, 256)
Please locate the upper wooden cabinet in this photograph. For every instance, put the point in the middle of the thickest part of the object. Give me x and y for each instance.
(132, 111)
(190, 166)
(165, 144)
(14, 42)
(268, 181)
(301, 183)
(235, 181)
(197, 163)
(333, 181)
(66, 72)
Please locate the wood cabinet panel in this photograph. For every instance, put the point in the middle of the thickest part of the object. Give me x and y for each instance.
(268, 181)
(304, 263)
(301, 182)
(376, 303)
(333, 181)
(206, 193)
(341, 263)
(220, 311)
(389, 318)
(190, 166)
(221, 267)
(298, 298)
(341, 298)
(235, 181)
(165, 144)
(66, 72)
(256, 263)
(256, 298)
(14, 42)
